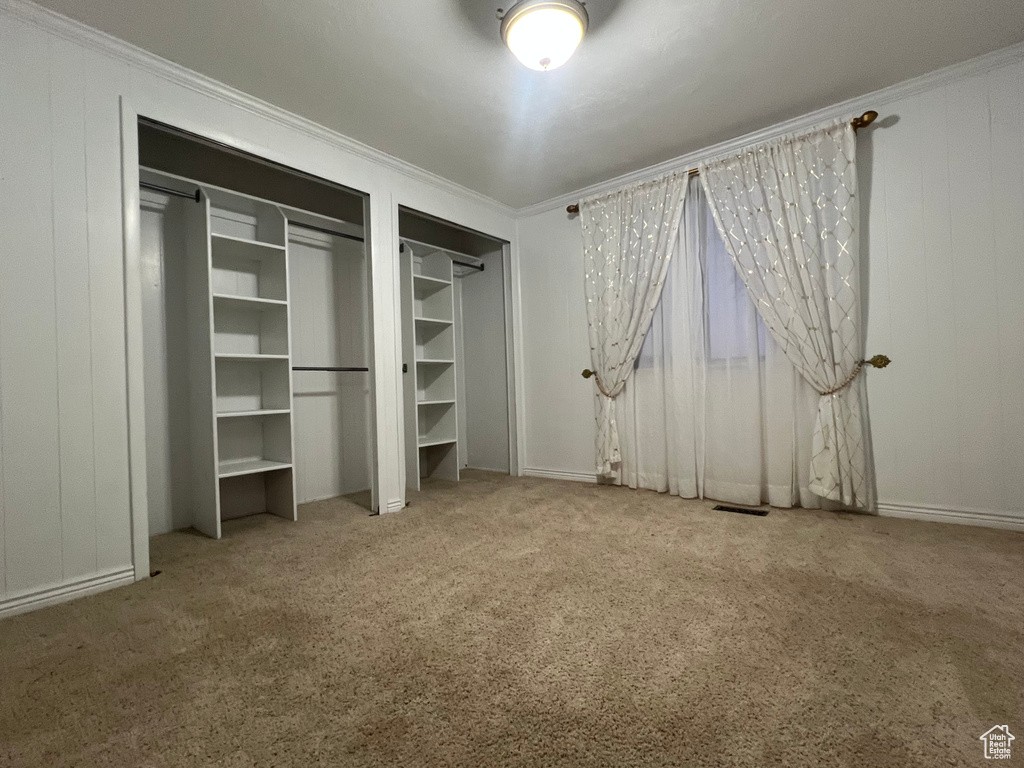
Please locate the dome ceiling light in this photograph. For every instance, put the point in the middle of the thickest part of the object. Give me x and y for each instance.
(544, 34)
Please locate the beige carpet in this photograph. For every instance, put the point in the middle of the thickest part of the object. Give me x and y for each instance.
(530, 622)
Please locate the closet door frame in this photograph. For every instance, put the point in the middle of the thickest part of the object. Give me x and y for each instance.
(513, 333)
(374, 201)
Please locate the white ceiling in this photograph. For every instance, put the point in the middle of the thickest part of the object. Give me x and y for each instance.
(430, 82)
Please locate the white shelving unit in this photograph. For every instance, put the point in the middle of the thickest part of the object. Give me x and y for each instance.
(428, 338)
(240, 361)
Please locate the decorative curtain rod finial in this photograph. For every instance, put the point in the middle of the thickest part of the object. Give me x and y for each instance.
(864, 120)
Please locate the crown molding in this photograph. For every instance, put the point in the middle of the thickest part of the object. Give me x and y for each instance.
(849, 107)
(82, 34)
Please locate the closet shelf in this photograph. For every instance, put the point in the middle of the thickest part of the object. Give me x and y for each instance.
(241, 246)
(436, 402)
(440, 441)
(433, 321)
(433, 361)
(246, 302)
(255, 358)
(249, 467)
(428, 280)
(247, 414)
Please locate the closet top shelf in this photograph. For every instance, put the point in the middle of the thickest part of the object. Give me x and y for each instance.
(426, 249)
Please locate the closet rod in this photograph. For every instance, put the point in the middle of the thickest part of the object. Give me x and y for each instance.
(857, 123)
(326, 231)
(169, 191)
(325, 368)
(478, 267)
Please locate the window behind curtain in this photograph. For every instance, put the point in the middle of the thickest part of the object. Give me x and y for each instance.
(732, 320)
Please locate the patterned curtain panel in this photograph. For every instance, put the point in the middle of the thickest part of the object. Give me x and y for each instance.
(787, 211)
(628, 237)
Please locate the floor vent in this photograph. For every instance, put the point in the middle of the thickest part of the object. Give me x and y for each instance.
(742, 511)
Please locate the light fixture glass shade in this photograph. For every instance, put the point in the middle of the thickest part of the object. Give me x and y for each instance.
(544, 34)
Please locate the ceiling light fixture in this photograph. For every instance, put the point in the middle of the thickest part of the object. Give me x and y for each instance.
(544, 34)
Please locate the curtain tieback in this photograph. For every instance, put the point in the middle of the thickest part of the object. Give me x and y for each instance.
(878, 361)
(587, 373)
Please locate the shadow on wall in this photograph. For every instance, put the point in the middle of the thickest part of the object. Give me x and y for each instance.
(865, 179)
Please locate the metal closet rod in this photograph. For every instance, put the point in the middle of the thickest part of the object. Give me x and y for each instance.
(167, 190)
(326, 231)
(325, 368)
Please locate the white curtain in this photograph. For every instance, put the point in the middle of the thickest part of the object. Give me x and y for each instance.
(628, 238)
(713, 408)
(787, 211)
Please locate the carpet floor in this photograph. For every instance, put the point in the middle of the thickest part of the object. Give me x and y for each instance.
(520, 621)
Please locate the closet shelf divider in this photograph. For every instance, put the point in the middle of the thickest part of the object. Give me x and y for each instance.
(440, 441)
(427, 279)
(254, 358)
(252, 414)
(247, 302)
(228, 240)
(250, 467)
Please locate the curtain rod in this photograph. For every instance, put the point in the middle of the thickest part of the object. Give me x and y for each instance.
(858, 122)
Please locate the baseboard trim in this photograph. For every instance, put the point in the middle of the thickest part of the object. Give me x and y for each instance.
(88, 585)
(957, 516)
(395, 505)
(557, 474)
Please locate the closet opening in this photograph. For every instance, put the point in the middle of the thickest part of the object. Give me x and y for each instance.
(257, 336)
(457, 350)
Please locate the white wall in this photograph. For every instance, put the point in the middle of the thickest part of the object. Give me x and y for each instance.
(66, 500)
(942, 195)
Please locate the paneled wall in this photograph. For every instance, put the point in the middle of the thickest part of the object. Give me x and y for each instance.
(63, 423)
(65, 494)
(942, 192)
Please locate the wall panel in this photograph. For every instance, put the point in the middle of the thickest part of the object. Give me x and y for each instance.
(107, 79)
(28, 329)
(74, 311)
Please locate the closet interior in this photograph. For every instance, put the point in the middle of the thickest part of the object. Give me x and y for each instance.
(257, 336)
(456, 352)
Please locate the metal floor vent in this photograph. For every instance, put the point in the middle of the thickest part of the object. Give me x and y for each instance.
(741, 510)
